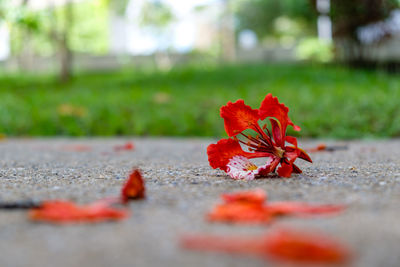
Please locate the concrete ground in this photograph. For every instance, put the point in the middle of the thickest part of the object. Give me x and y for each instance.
(181, 188)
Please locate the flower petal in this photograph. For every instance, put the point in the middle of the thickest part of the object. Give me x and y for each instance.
(127, 146)
(238, 117)
(285, 245)
(303, 209)
(239, 212)
(241, 168)
(134, 187)
(291, 140)
(256, 196)
(220, 153)
(285, 170)
(304, 247)
(270, 107)
(68, 212)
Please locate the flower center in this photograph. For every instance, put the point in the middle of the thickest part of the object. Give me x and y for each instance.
(262, 144)
(279, 152)
(251, 167)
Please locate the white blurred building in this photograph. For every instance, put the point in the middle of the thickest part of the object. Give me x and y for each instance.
(191, 29)
(5, 49)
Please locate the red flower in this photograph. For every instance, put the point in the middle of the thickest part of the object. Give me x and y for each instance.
(228, 155)
(282, 245)
(60, 212)
(134, 187)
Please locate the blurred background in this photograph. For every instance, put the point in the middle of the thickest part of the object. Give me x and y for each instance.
(164, 67)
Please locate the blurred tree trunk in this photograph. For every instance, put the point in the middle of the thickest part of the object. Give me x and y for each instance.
(227, 34)
(66, 56)
(348, 17)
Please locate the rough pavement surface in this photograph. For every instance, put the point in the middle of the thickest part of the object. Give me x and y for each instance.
(181, 188)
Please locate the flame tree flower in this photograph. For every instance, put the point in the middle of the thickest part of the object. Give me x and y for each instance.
(271, 144)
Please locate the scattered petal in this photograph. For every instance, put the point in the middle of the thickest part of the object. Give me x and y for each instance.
(256, 196)
(251, 207)
(63, 212)
(320, 147)
(77, 148)
(134, 187)
(305, 247)
(248, 213)
(324, 147)
(126, 147)
(278, 245)
(303, 209)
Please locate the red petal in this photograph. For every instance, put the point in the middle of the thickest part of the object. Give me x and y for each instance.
(270, 107)
(69, 212)
(296, 169)
(238, 117)
(256, 196)
(220, 153)
(126, 146)
(277, 132)
(134, 187)
(285, 170)
(280, 245)
(227, 244)
(291, 140)
(303, 247)
(77, 148)
(303, 209)
(239, 212)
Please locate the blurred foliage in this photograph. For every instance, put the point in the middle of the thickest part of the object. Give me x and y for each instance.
(156, 14)
(314, 49)
(118, 6)
(348, 16)
(42, 27)
(260, 15)
(327, 102)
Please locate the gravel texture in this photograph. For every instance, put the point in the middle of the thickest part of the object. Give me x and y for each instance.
(181, 188)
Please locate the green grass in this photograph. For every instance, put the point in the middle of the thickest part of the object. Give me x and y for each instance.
(326, 101)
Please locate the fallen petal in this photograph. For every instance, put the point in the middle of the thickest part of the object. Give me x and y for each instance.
(257, 196)
(304, 247)
(61, 212)
(247, 213)
(77, 148)
(278, 245)
(134, 187)
(126, 147)
(303, 209)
